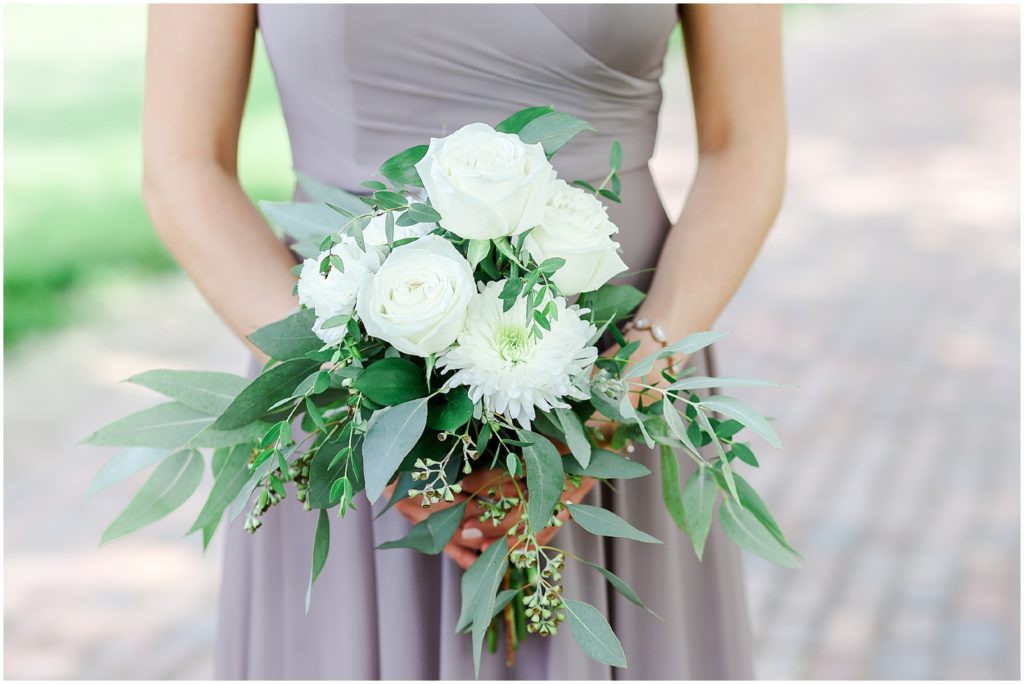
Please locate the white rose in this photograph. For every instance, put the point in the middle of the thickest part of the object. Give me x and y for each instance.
(333, 335)
(375, 233)
(418, 299)
(576, 228)
(486, 184)
(336, 294)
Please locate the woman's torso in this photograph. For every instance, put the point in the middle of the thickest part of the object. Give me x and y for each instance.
(359, 83)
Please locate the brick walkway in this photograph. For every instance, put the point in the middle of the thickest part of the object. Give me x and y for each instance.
(889, 292)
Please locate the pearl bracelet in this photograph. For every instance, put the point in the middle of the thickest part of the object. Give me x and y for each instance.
(656, 332)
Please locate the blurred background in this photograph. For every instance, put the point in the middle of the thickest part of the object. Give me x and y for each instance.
(889, 291)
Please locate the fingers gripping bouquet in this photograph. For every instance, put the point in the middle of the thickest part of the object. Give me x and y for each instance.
(437, 338)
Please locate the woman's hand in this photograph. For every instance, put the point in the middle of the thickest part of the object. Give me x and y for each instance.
(479, 535)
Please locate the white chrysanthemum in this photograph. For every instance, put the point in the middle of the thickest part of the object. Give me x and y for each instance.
(501, 362)
(335, 294)
(375, 233)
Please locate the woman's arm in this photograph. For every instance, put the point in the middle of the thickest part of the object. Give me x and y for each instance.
(735, 63)
(197, 75)
(734, 54)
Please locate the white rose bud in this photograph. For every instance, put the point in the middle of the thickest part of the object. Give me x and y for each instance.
(335, 295)
(417, 300)
(486, 184)
(576, 228)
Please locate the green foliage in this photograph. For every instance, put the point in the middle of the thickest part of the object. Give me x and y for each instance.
(734, 408)
(749, 533)
(481, 590)
(205, 391)
(307, 222)
(326, 194)
(671, 491)
(607, 465)
(553, 130)
(603, 522)
(392, 381)
(593, 634)
(401, 168)
(263, 392)
(545, 478)
(619, 585)
(166, 426)
(321, 547)
(230, 473)
(514, 123)
(575, 436)
(449, 411)
(611, 303)
(289, 338)
(698, 505)
(125, 463)
(170, 485)
(391, 435)
(432, 533)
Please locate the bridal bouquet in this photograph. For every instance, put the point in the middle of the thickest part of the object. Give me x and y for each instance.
(436, 337)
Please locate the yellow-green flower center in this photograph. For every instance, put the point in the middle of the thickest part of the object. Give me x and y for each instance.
(513, 343)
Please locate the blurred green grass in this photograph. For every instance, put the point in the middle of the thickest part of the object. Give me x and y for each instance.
(73, 213)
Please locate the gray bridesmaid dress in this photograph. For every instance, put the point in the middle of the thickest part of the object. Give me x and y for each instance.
(357, 84)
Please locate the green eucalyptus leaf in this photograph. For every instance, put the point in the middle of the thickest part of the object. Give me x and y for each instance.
(170, 485)
(494, 561)
(698, 505)
(620, 586)
(515, 122)
(603, 522)
(261, 394)
(615, 156)
(545, 478)
(594, 635)
(391, 434)
(553, 130)
(166, 426)
(289, 338)
(575, 437)
(671, 489)
(423, 213)
(734, 408)
(743, 452)
(205, 391)
(401, 168)
(125, 463)
(327, 194)
(688, 345)
(304, 221)
(750, 534)
(321, 547)
(230, 473)
(211, 438)
(611, 303)
(432, 533)
(477, 251)
(752, 502)
(392, 381)
(502, 600)
(449, 411)
(607, 465)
